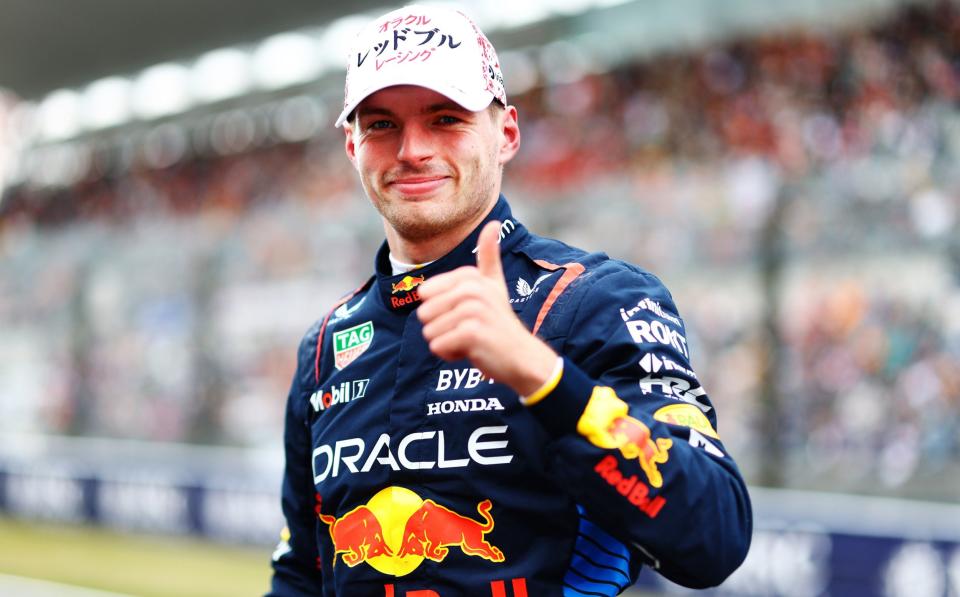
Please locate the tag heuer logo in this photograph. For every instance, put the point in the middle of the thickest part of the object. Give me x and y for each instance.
(350, 343)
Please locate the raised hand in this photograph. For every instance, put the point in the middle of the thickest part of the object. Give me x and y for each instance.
(466, 313)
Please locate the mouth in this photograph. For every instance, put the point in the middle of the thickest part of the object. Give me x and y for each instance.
(418, 185)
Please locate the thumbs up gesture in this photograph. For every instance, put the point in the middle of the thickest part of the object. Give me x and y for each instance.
(466, 313)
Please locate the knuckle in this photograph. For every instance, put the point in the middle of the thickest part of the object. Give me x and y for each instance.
(424, 312)
(471, 330)
(472, 307)
(477, 289)
(429, 332)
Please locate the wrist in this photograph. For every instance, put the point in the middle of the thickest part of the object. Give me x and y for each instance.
(548, 386)
(535, 370)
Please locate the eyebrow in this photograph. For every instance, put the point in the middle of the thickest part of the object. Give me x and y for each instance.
(430, 109)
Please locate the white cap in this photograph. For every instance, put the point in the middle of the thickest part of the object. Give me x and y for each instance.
(429, 46)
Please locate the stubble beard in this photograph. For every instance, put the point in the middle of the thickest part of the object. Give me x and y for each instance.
(436, 216)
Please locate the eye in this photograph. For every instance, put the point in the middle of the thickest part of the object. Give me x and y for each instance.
(448, 119)
(380, 124)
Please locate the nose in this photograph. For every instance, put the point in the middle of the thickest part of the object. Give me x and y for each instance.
(415, 144)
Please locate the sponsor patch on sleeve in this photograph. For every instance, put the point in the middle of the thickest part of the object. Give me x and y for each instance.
(606, 424)
(686, 415)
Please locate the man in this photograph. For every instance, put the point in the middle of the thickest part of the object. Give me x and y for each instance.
(492, 413)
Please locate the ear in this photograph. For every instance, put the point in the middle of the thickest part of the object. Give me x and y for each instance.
(349, 143)
(509, 134)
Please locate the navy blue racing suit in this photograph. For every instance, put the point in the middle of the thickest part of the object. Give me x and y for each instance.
(410, 476)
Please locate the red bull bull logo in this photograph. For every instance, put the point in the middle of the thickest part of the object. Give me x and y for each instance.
(433, 528)
(633, 439)
(357, 535)
(407, 284)
(396, 530)
(606, 424)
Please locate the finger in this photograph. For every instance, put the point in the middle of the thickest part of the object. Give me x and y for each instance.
(448, 351)
(471, 288)
(444, 282)
(447, 320)
(488, 252)
(456, 344)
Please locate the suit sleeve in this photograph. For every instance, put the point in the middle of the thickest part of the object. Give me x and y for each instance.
(295, 571)
(634, 436)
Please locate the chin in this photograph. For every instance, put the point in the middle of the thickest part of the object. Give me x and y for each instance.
(418, 229)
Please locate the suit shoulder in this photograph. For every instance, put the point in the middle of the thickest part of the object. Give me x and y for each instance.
(599, 268)
(619, 271)
(555, 252)
(309, 337)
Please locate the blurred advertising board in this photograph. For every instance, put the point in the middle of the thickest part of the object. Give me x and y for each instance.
(804, 544)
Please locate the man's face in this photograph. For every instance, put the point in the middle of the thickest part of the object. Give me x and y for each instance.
(429, 166)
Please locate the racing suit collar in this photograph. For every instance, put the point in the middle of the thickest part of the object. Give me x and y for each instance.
(399, 293)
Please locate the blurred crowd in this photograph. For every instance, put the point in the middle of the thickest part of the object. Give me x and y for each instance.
(799, 193)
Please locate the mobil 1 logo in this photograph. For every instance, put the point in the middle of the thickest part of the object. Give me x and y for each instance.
(345, 391)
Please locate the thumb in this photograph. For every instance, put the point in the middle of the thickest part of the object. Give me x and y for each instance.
(488, 251)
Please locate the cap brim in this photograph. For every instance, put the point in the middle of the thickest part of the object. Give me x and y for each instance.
(474, 102)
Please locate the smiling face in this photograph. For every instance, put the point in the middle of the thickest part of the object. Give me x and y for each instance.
(431, 168)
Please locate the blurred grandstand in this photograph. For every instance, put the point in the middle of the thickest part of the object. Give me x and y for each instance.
(792, 173)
